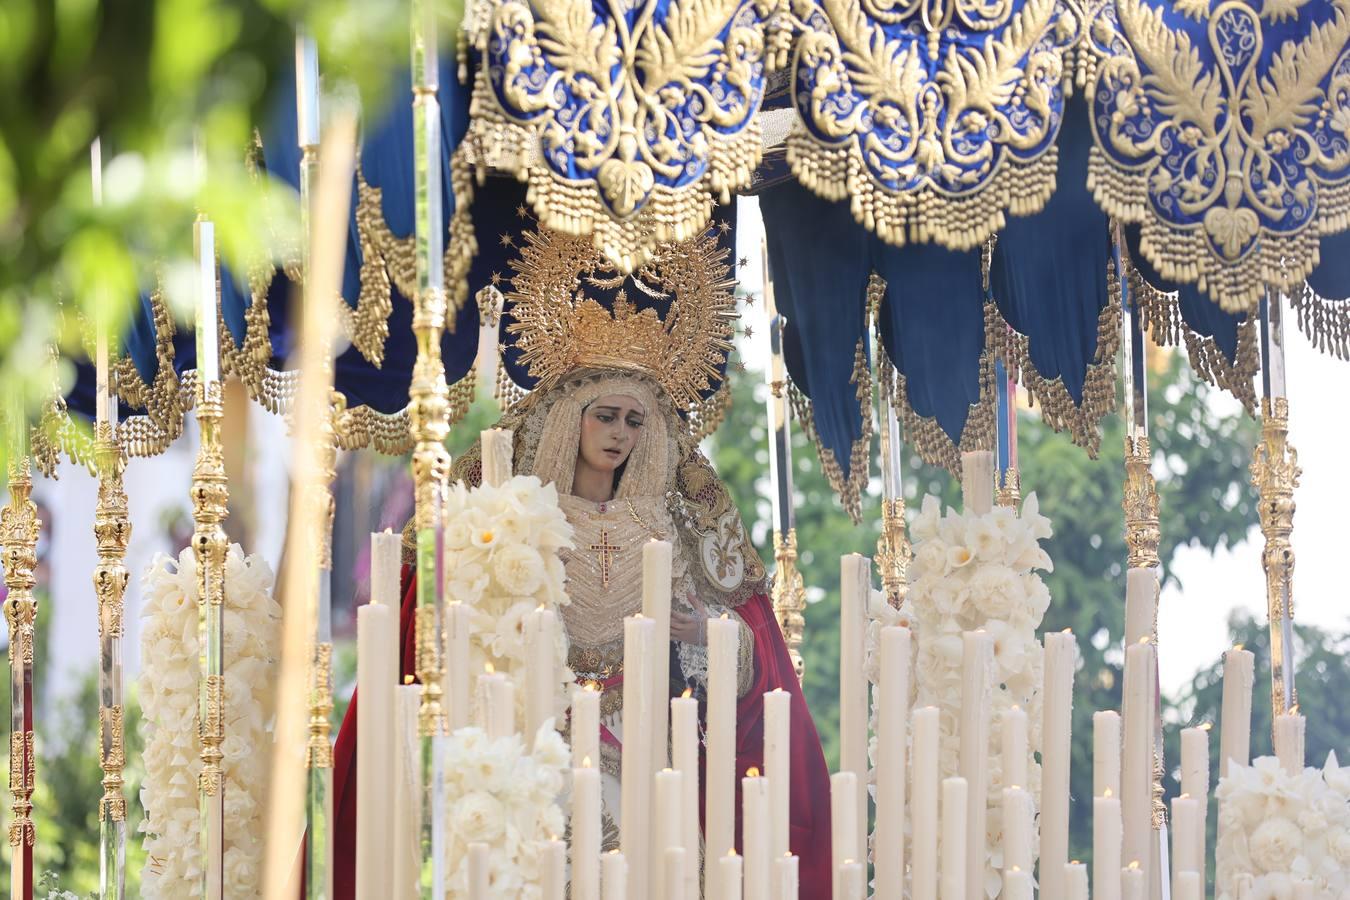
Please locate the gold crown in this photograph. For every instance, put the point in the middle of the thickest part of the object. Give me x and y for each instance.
(559, 329)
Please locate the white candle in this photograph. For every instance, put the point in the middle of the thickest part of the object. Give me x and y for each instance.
(208, 337)
(729, 876)
(1235, 722)
(541, 669)
(306, 91)
(554, 880)
(786, 877)
(1106, 847)
(1016, 884)
(656, 583)
(639, 657)
(586, 832)
(684, 758)
(892, 698)
(755, 835)
(844, 843)
(614, 875)
(497, 704)
(407, 830)
(386, 563)
(777, 742)
(376, 681)
(669, 831)
(455, 688)
(1013, 731)
(1289, 736)
(977, 661)
(724, 639)
(1061, 653)
(479, 872)
(1019, 826)
(1136, 783)
(854, 592)
(1132, 881)
(1195, 781)
(1076, 881)
(496, 456)
(924, 813)
(955, 804)
(852, 880)
(673, 873)
(585, 725)
(1106, 753)
(1188, 887)
(977, 481)
(1185, 828)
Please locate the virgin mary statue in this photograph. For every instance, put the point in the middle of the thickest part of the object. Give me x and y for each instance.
(604, 424)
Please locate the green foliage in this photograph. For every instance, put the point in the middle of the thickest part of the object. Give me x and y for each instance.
(1201, 464)
(151, 80)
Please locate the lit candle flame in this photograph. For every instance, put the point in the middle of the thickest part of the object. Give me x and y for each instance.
(731, 852)
(1184, 796)
(489, 668)
(1106, 794)
(752, 772)
(407, 679)
(1293, 710)
(586, 761)
(1017, 868)
(688, 692)
(1144, 639)
(724, 615)
(1133, 865)
(1207, 726)
(1067, 631)
(1237, 647)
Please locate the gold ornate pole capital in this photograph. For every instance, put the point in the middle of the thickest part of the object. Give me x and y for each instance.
(1275, 474)
(789, 596)
(1009, 491)
(1142, 532)
(19, 527)
(893, 551)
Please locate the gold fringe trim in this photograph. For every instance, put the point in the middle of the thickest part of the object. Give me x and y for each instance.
(1058, 409)
(1160, 313)
(960, 222)
(924, 433)
(1278, 262)
(574, 207)
(1326, 323)
(849, 489)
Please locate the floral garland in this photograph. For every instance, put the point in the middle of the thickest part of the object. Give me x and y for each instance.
(504, 795)
(980, 572)
(168, 692)
(1277, 829)
(501, 556)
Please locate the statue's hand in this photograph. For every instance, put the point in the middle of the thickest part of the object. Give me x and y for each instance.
(690, 629)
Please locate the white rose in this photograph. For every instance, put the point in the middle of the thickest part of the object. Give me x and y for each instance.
(241, 873)
(1274, 844)
(478, 816)
(518, 568)
(994, 590)
(467, 583)
(1339, 845)
(930, 559)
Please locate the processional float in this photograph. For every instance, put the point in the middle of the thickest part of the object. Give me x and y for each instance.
(1033, 187)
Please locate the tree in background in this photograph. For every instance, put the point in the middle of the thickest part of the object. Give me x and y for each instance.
(1201, 460)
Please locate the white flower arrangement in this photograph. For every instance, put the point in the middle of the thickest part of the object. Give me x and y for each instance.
(503, 795)
(501, 559)
(974, 572)
(1277, 829)
(168, 692)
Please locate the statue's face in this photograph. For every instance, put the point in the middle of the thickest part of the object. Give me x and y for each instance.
(609, 429)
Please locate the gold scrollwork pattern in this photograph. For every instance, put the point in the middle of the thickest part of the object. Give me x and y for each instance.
(936, 118)
(211, 734)
(19, 527)
(22, 781)
(789, 596)
(1142, 532)
(112, 804)
(319, 750)
(1234, 156)
(894, 551)
(626, 118)
(1275, 474)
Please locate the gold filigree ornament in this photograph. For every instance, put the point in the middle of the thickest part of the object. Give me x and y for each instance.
(1233, 155)
(935, 117)
(626, 117)
(559, 329)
